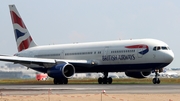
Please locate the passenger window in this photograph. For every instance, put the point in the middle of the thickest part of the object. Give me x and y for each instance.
(154, 48)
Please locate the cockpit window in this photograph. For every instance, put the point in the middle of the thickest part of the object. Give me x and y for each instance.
(164, 48)
(161, 48)
(158, 48)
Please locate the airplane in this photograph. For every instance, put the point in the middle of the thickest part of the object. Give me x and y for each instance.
(137, 57)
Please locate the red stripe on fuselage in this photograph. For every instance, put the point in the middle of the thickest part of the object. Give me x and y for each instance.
(137, 46)
(17, 19)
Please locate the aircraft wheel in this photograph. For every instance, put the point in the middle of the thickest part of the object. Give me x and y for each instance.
(156, 81)
(60, 81)
(104, 80)
(65, 81)
(100, 80)
(55, 81)
(110, 80)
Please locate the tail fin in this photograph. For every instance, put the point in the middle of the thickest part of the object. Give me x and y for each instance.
(22, 36)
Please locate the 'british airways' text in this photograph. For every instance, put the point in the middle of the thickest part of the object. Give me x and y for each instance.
(118, 57)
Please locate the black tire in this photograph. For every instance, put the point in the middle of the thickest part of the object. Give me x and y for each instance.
(154, 80)
(110, 80)
(104, 80)
(60, 81)
(100, 80)
(158, 81)
(65, 81)
(55, 81)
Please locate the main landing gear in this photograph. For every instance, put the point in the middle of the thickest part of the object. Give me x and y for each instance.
(105, 79)
(156, 80)
(60, 81)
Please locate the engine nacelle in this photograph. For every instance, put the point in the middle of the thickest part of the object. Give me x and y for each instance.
(138, 75)
(62, 70)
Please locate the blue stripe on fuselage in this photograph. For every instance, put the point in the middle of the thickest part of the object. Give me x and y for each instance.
(144, 52)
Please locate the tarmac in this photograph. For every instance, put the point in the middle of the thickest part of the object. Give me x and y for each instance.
(92, 89)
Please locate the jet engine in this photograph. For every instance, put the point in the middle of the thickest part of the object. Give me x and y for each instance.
(62, 70)
(138, 75)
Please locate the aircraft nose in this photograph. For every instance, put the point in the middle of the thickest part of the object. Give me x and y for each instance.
(169, 57)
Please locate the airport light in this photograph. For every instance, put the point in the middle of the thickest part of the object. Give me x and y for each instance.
(103, 92)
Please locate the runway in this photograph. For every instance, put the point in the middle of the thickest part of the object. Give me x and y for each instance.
(91, 89)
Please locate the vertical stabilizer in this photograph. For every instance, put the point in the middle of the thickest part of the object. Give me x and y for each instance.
(22, 36)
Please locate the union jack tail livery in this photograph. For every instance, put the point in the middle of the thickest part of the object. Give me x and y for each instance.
(22, 36)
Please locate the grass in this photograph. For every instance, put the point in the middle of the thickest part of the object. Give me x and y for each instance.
(90, 81)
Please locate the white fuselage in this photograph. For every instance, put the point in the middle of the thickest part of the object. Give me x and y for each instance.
(106, 53)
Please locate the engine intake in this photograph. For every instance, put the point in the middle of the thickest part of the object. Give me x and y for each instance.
(138, 74)
(62, 70)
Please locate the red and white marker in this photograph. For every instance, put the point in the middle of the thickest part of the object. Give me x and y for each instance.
(103, 91)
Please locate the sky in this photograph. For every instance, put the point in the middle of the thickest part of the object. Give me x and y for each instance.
(69, 21)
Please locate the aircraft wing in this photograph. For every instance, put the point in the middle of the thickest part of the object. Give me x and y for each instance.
(47, 63)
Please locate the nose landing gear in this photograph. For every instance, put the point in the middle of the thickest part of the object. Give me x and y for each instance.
(156, 80)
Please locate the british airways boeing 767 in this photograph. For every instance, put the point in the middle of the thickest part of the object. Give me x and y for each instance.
(137, 58)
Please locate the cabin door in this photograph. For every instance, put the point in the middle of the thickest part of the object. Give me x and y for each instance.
(106, 51)
(62, 55)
